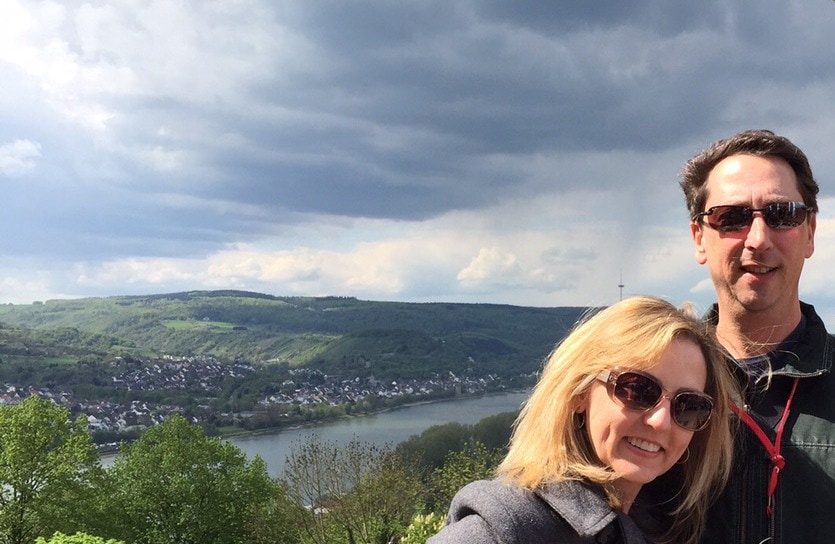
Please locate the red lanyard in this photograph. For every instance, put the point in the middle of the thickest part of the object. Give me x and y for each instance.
(773, 449)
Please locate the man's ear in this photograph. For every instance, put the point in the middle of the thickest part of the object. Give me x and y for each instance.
(810, 242)
(698, 242)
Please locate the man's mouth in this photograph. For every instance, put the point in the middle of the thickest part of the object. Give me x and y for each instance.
(757, 269)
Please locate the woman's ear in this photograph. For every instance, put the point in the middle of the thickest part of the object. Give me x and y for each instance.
(578, 414)
(579, 404)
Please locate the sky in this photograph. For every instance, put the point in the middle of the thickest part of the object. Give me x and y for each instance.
(523, 152)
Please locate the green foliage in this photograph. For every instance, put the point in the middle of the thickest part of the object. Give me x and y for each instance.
(475, 462)
(430, 448)
(46, 465)
(357, 493)
(77, 538)
(422, 527)
(452, 455)
(177, 485)
(277, 523)
(494, 431)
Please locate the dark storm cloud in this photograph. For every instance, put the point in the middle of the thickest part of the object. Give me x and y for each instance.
(412, 97)
(456, 89)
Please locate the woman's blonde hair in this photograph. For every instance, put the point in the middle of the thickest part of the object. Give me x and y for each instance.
(548, 444)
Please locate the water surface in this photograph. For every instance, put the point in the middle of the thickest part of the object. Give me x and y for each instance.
(391, 427)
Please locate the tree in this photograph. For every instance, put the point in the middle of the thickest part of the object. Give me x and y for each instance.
(422, 527)
(276, 524)
(494, 431)
(46, 461)
(361, 493)
(77, 538)
(475, 462)
(175, 484)
(429, 448)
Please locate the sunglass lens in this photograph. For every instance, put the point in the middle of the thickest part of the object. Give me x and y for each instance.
(730, 218)
(784, 215)
(692, 411)
(636, 391)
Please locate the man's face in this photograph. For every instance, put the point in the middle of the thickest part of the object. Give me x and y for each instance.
(755, 269)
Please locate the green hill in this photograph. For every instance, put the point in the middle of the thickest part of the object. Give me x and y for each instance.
(339, 335)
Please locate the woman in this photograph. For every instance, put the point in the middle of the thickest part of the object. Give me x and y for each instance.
(636, 390)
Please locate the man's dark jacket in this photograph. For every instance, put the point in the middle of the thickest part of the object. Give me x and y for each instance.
(804, 504)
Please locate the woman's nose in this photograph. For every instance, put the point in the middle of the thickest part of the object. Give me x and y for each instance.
(660, 417)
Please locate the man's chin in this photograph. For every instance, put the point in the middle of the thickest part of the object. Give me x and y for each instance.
(754, 303)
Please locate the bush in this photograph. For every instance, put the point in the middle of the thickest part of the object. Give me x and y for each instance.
(77, 538)
(421, 528)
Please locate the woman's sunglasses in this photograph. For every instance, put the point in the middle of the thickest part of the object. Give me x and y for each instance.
(777, 215)
(639, 391)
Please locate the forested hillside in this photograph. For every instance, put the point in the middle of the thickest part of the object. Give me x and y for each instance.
(337, 335)
(234, 361)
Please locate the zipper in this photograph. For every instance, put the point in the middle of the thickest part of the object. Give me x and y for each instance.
(772, 448)
(741, 509)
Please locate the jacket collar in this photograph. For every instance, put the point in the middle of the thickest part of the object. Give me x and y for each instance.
(585, 508)
(814, 349)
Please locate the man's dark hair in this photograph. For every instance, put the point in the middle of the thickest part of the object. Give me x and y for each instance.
(762, 143)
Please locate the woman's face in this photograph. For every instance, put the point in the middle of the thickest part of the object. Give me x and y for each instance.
(643, 445)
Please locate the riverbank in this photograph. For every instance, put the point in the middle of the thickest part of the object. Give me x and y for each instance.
(389, 426)
(384, 429)
(306, 425)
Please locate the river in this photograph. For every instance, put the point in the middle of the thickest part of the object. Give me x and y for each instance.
(390, 427)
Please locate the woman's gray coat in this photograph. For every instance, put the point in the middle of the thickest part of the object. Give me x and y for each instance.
(495, 512)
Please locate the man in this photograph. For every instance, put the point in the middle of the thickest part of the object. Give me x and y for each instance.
(753, 202)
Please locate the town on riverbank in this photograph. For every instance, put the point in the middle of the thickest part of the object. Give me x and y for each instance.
(128, 395)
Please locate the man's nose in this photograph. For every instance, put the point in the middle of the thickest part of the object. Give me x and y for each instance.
(759, 235)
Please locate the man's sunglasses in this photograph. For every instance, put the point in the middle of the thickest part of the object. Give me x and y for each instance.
(777, 215)
(639, 391)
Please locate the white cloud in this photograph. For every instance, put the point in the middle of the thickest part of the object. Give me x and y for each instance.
(490, 266)
(18, 157)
